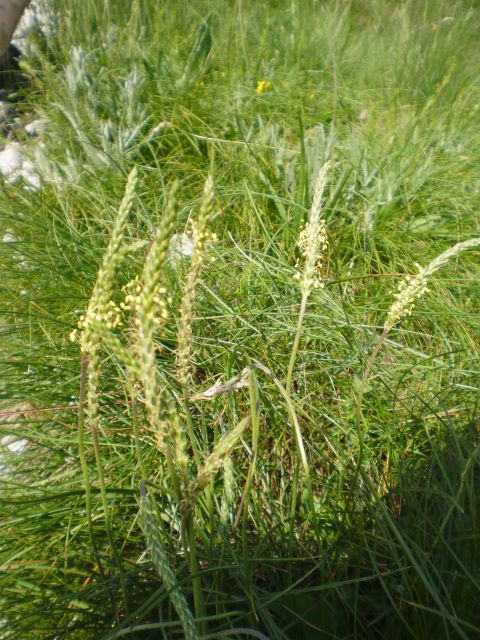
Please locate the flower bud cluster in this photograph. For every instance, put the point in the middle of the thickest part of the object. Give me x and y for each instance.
(313, 244)
(202, 237)
(313, 241)
(409, 291)
(133, 301)
(102, 310)
(110, 316)
(263, 86)
(414, 287)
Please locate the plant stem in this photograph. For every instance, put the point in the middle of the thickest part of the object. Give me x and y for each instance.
(108, 524)
(188, 534)
(296, 342)
(298, 432)
(362, 424)
(136, 435)
(255, 421)
(83, 458)
(255, 418)
(190, 427)
(368, 368)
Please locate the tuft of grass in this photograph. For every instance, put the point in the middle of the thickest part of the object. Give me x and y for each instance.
(226, 449)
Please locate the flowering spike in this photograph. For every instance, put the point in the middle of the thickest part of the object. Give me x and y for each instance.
(313, 241)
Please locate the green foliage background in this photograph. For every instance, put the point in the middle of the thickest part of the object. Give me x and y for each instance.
(388, 91)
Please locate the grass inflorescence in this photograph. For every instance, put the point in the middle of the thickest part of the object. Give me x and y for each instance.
(240, 346)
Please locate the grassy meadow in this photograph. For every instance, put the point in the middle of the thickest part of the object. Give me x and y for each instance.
(243, 368)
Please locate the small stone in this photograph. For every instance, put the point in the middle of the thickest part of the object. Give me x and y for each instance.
(181, 246)
(28, 167)
(36, 127)
(9, 237)
(13, 177)
(15, 445)
(30, 177)
(10, 160)
(14, 168)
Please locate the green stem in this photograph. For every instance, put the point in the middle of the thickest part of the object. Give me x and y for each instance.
(361, 421)
(191, 428)
(83, 457)
(296, 342)
(293, 512)
(136, 433)
(368, 368)
(188, 535)
(172, 472)
(108, 524)
(255, 418)
(298, 432)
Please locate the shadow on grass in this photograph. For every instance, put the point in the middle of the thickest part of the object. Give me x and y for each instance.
(410, 570)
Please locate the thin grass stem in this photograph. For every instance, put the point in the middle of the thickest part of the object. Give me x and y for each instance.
(83, 458)
(296, 342)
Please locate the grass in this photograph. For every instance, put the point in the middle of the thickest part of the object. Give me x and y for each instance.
(303, 498)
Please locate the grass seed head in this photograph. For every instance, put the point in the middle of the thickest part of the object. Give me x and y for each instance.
(313, 241)
(161, 563)
(149, 301)
(412, 288)
(101, 308)
(201, 235)
(213, 463)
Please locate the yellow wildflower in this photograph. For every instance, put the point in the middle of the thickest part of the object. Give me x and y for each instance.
(263, 86)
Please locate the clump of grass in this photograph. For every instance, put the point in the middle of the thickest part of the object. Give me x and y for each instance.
(313, 244)
(411, 289)
(149, 306)
(99, 312)
(202, 472)
(162, 564)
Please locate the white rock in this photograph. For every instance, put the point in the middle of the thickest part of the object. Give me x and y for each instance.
(13, 177)
(17, 446)
(14, 168)
(34, 16)
(9, 237)
(14, 444)
(181, 246)
(32, 180)
(28, 167)
(10, 159)
(30, 176)
(36, 127)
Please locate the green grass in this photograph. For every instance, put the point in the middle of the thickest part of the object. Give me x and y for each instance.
(386, 543)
